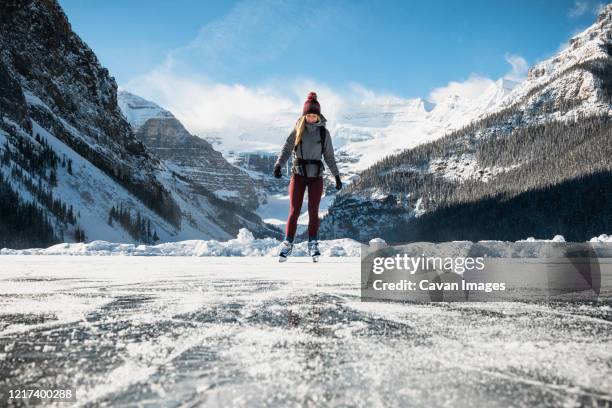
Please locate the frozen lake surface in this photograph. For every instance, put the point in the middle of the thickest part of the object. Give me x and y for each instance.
(248, 331)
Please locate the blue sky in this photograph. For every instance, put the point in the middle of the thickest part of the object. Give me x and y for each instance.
(406, 48)
(241, 69)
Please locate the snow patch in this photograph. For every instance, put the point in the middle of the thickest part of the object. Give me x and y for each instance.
(602, 238)
(377, 241)
(465, 167)
(245, 244)
(138, 110)
(556, 238)
(225, 194)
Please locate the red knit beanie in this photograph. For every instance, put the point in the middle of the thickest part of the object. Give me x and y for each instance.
(311, 105)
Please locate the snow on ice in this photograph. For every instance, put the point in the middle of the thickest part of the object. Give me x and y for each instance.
(245, 244)
(223, 331)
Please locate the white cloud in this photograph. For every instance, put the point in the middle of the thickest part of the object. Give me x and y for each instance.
(191, 81)
(246, 117)
(520, 67)
(204, 105)
(476, 85)
(256, 116)
(473, 87)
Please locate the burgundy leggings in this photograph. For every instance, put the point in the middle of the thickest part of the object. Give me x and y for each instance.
(297, 187)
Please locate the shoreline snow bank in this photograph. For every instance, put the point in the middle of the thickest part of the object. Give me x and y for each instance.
(602, 238)
(245, 244)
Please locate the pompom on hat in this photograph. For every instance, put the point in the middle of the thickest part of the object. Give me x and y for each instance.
(311, 105)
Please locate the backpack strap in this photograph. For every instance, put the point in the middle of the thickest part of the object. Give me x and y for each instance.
(302, 163)
(323, 135)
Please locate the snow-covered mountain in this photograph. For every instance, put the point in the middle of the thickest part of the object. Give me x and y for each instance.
(535, 162)
(365, 128)
(370, 128)
(363, 131)
(185, 153)
(576, 79)
(374, 128)
(138, 110)
(70, 165)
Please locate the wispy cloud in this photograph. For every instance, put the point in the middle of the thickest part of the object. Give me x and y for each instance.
(519, 65)
(200, 82)
(582, 7)
(257, 117)
(197, 82)
(247, 117)
(253, 34)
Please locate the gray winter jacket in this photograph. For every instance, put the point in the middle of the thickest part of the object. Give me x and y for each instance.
(311, 148)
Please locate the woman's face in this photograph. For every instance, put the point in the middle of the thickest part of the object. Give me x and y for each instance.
(312, 117)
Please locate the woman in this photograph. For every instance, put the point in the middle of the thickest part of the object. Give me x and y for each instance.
(308, 141)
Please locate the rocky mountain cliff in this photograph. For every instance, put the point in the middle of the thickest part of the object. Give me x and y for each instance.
(71, 167)
(504, 175)
(167, 138)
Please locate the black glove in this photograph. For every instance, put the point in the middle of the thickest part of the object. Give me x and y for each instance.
(277, 171)
(338, 183)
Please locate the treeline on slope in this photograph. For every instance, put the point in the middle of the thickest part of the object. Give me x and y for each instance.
(42, 55)
(39, 160)
(495, 125)
(578, 209)
(150, 191)
(547, 154)
(523, 156)
(389, 167)
(22, 224)
(138, 227)
(34, 165)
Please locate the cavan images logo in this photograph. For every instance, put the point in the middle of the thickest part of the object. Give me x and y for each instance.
(466, 271)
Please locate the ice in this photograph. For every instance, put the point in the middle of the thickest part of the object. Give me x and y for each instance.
(248, 331)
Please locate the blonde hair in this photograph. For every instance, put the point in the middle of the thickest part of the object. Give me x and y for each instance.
(299, 129)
